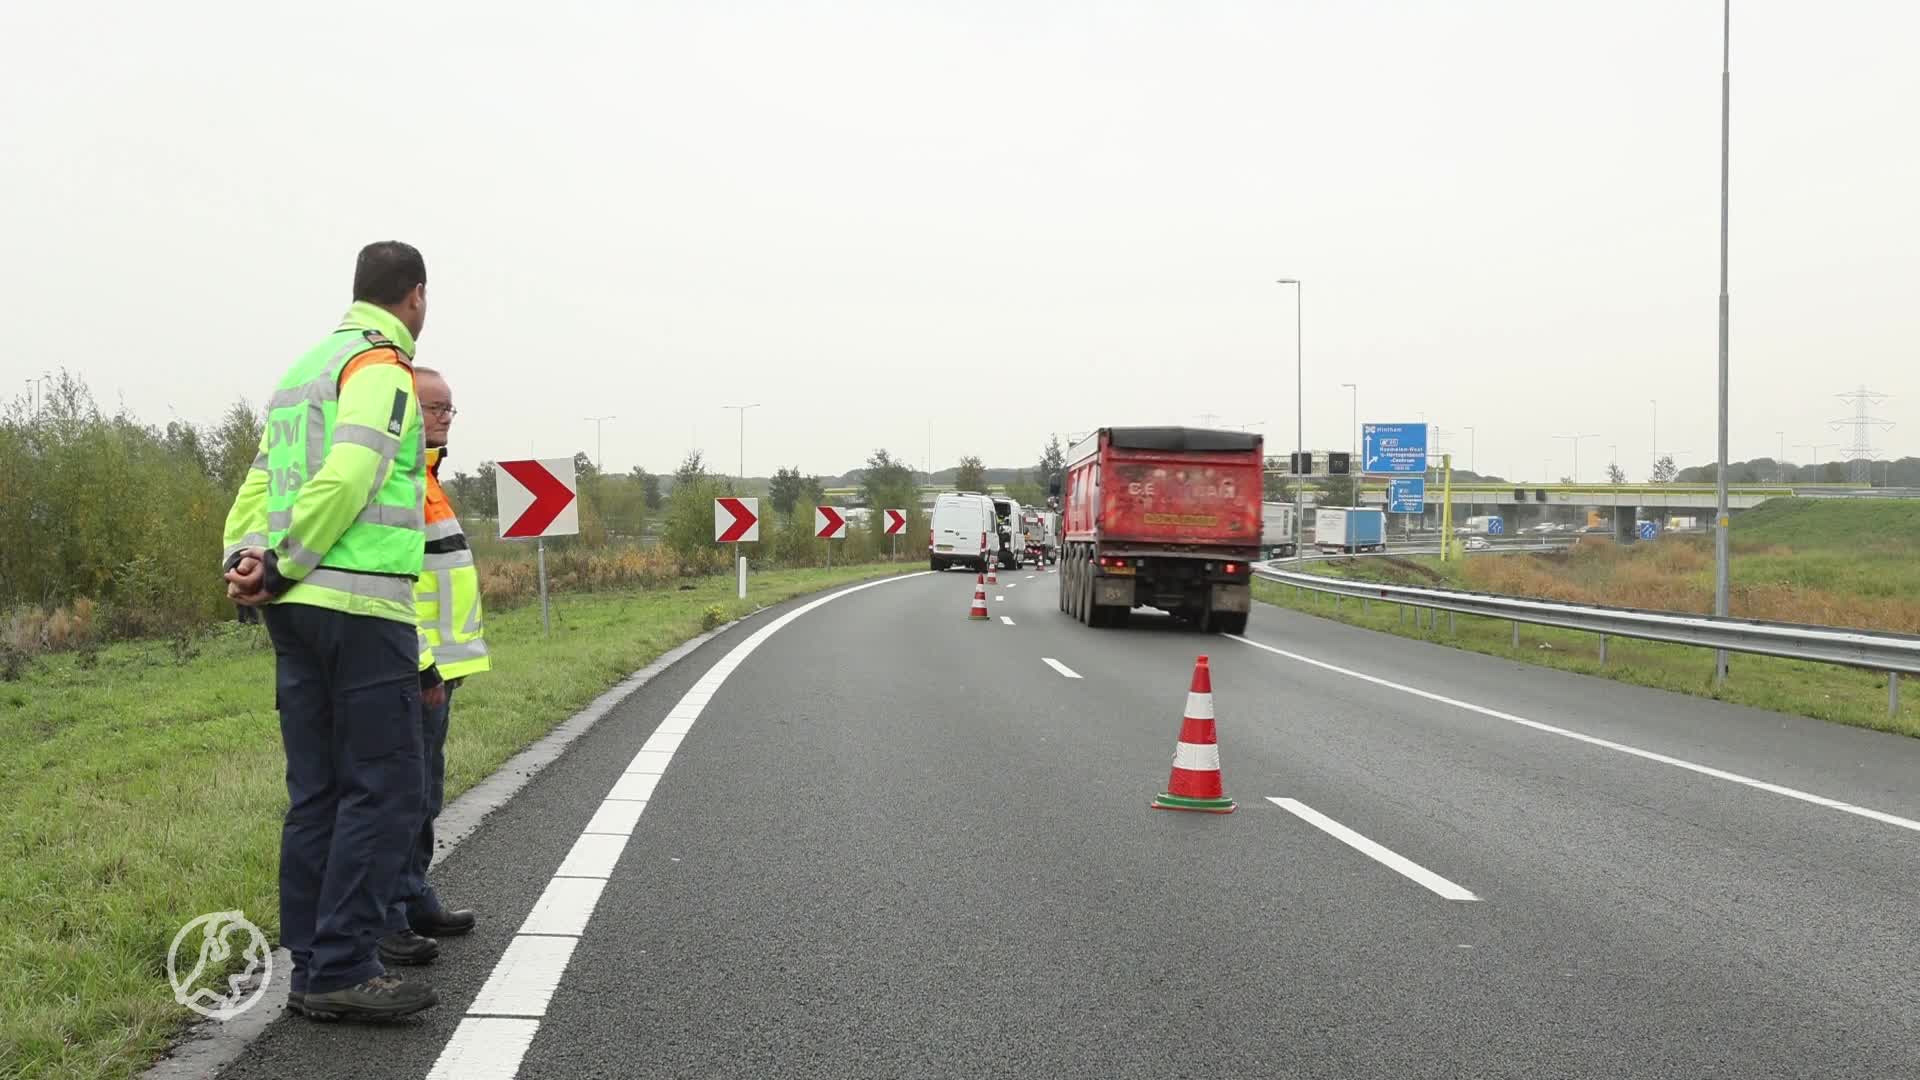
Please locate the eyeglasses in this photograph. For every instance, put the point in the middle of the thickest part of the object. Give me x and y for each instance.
(447, 411)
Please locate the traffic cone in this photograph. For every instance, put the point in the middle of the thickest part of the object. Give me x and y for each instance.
(979, 610)
(1195, 783)
(992, 578)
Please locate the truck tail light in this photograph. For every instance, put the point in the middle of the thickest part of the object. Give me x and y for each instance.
(1233, 568)
(1112, 560)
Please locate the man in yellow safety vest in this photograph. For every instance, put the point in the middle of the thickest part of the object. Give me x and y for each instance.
(326, 537)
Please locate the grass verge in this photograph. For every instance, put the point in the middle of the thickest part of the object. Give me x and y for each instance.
(144, 789)
(1843, 695)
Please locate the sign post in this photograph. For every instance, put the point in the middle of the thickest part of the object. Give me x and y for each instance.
(737, 521)
(896, 523)
(829, 524)
(538, 498)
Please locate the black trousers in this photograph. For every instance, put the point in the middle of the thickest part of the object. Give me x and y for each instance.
(414, 900)
(348, 691)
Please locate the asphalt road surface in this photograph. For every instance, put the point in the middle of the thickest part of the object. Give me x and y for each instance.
(872, 838)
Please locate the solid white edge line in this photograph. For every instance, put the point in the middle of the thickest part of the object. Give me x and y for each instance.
(593, 855)
(523, 982)
(1592, 740)
(565, 907)
(1384, 856)
(634, 786)
(1006, 619)
(615, 816)
(487, 1047)
(646, 761)
(1059, 667)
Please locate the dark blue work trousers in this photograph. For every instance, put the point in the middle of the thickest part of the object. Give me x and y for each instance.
(415, 901)
(348, 691)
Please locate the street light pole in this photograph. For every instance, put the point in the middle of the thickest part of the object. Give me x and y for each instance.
(1353, 448)
(1815, 448)
(1722, 519)
(1656, 431)
(599, 443)
(1575, 439)
(742, 410)
(1299, 413)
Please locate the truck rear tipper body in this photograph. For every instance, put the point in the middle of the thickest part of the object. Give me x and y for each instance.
(1166, 517)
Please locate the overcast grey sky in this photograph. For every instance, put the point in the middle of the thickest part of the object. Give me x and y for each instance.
(1000, 219)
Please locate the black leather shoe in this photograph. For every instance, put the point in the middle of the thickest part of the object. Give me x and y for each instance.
(408, 948)
(382, 997)
(444, 923)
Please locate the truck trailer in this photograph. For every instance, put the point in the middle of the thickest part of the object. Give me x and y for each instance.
(1167, 517)
(1350, 529)
(1276, 530)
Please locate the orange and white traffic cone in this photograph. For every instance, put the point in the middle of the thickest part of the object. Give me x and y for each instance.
(992, 578)
(1195, 783)
(979, 610)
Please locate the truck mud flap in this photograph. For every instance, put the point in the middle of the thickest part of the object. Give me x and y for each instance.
(1113, 592)
(1232, 598)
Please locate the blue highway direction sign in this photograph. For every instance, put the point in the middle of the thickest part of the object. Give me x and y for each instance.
(1407, 495)
(1394, 448)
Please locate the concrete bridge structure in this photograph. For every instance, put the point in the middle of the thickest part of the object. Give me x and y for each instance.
(1523, 505)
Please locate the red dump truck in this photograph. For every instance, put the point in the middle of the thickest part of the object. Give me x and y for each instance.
(1167, 517)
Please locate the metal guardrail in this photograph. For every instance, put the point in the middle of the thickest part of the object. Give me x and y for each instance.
(1895, 654)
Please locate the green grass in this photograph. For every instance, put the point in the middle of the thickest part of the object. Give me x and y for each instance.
(1830, 523)
(147, 789)
(1824, 691)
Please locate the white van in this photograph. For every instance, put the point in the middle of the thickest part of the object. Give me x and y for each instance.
(963, 532)
(1006, 526)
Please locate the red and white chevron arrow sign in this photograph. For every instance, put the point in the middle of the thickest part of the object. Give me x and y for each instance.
(536, 498)
(736, 521)
(829, 523)
(896, 522)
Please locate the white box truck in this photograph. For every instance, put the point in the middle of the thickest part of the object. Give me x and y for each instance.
(1276, 530)
(1349, 529)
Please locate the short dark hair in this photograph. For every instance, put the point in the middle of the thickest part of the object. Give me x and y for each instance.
(387, 271)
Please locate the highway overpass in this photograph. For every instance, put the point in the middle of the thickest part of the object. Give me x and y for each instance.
(1527, 504)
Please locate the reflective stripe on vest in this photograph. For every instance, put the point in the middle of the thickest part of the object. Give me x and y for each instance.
(370, 567)
(447, 596)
